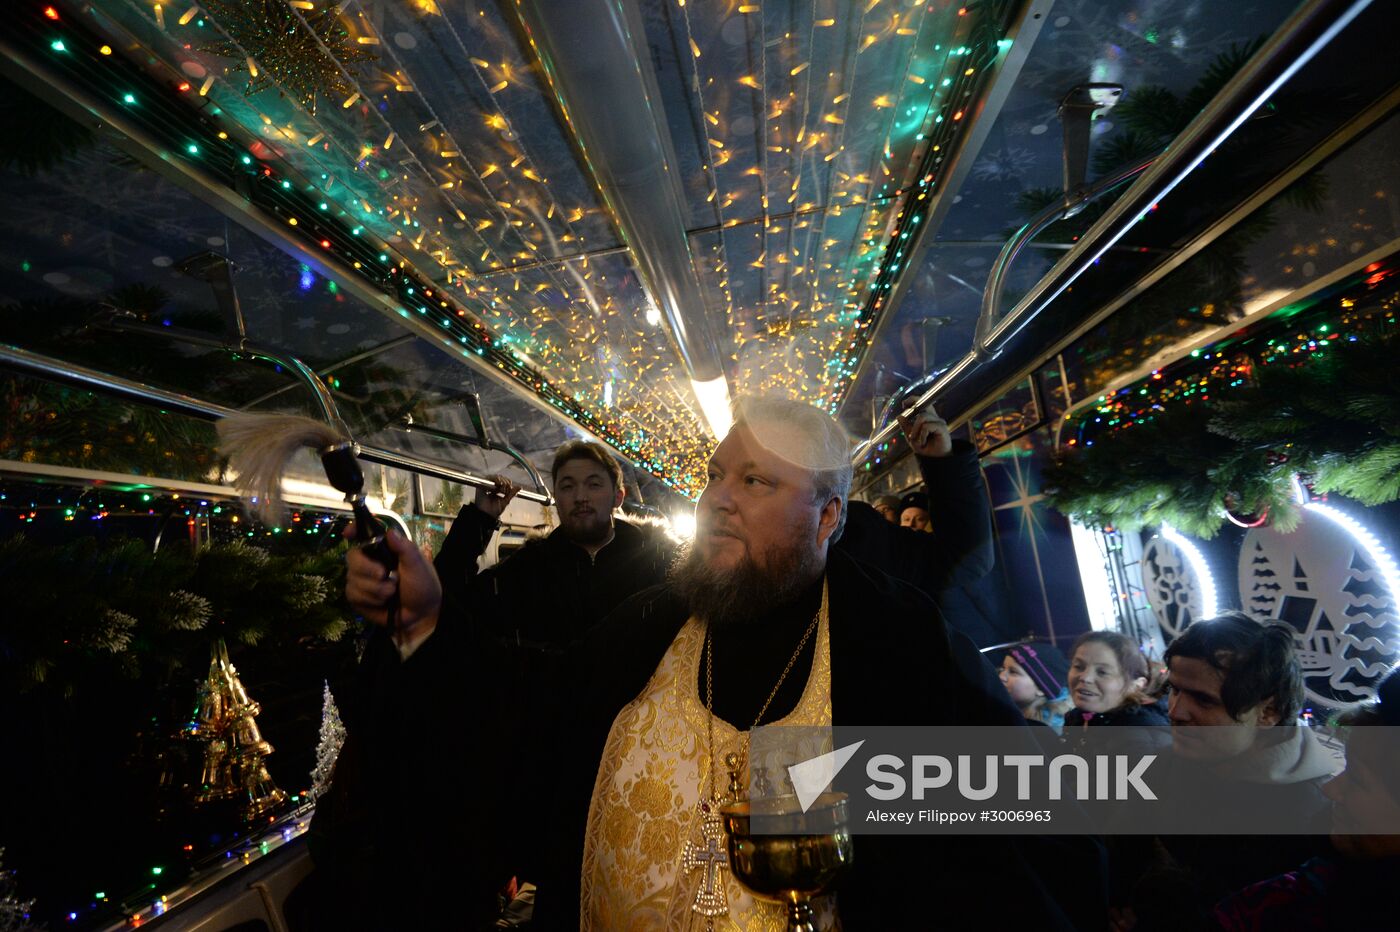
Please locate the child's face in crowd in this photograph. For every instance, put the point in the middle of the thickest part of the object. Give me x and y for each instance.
(1364, 797)
(1096, 680)
(1022, 688)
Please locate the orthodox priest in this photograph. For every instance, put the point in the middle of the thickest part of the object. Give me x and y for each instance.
(763, 623)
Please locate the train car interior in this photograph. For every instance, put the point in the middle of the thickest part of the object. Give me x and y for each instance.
(1135, 259)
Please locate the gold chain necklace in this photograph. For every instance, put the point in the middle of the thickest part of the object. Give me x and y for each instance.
(710, 900)
(709, 702)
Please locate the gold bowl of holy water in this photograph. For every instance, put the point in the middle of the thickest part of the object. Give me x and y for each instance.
(778, 852)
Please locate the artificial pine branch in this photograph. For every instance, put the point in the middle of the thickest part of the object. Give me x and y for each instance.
(84, 606)
(1336, 418)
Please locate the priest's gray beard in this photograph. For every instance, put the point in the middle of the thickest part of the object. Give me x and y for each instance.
(747, 593)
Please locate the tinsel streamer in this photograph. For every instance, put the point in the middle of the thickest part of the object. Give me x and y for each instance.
(328, 748)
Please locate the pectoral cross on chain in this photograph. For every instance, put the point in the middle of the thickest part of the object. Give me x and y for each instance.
(710, 857)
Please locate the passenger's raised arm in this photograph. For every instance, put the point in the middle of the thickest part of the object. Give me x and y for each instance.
(927, 433)
(469, 535)
(959, 550)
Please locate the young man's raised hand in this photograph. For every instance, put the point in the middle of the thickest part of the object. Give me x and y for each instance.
(492, 502)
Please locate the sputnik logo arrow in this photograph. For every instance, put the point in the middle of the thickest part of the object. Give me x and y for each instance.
(811, 777)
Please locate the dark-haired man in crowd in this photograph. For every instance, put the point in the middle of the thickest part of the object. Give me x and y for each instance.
(425, 724)
(1237, 672)
(1354, 886)
(533, 607)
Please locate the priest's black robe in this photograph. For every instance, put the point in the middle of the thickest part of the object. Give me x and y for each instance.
(889, 666)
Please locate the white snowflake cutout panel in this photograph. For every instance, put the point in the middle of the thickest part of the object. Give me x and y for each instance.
(1320, 581)
(1173, 588)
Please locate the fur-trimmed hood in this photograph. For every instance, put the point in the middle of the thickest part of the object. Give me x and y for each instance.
(1282, 754)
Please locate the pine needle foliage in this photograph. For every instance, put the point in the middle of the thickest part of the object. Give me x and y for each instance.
(88, 606)
(1334, 419)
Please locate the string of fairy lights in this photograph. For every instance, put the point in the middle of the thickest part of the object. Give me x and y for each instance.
(307, 209)
(1213, 371)
(942, 76)
(940, 125)
(634, 441)
(668, 400)
(675, 413)
(196, 872)
(135, 894)
(451, 148)
(465, 227)
(32, 505)
(881, 100)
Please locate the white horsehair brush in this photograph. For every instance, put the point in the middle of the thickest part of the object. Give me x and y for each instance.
(259, 446)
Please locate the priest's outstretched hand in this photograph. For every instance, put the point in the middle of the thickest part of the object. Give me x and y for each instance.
(370, 589)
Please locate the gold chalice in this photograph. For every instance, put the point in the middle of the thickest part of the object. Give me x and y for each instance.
(798, 856)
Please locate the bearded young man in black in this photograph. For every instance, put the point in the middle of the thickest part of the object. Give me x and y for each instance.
(760, 607)
(547, 594)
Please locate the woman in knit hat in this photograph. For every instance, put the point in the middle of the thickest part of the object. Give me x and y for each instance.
(1034, 675)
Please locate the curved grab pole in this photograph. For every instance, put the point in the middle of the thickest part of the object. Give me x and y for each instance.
(409, 426)
(329, 411)
(982, 349)
(126, 321)
(72, 373)
(1071, 204)
(117, 321)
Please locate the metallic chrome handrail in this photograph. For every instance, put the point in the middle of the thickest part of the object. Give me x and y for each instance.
(141, 393)
(350, 360)
(330, 412)
(996, 280)
(408, 426)
(1307, 31)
